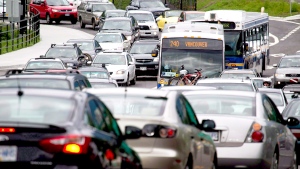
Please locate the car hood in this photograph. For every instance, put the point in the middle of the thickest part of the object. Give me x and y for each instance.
(126, 33)
(232, 128)
(155, 9)
(172, 19)
(288, 70)
(114, 68)
(114, 46)
(142, 56)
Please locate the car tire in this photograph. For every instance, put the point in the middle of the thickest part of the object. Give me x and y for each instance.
(295, 161)
(48, 19)
(57, 21)
(133, 81)
(73, 21)
(189, 164)
(93, 24)
(128, 81)
(82, 25)
(274, 163)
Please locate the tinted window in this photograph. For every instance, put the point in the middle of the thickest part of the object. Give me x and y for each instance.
(35, 83)
(97, 115)
(39, 109)
(61, 53)
(82, 84)
(182, 111)
(76, 86)
(138, 48)
(229, 86)
(36, 65)
(222, 104)
(276, 98)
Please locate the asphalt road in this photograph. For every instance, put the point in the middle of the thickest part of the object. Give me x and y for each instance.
(285, 41)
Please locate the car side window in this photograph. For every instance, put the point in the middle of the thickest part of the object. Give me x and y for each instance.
(88, 84)
(97, 44)
(76, 86)
(279, 117)
(190, 112)
(123, 37)
(79, 51)
(181, 111)
(82, 84)
(87, 119)
(129, 58)
(97, 115)
(270, 109)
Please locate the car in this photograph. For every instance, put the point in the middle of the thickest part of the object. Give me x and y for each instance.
(112, 13)
(287, 71)
(70, 54)
(277, 97)
(228, 84)
(172, 136)
(191, 15)
(54, 10)
(144, 62)
(291, 91)
(113, 41)
(239, 73)
(87, 46)
(155, 6)
(250, 131)
(89, 12)
(186, 88)
(43, 64)
(169, 16)
(51, 79)
(120, 65)
(126, 25)
(258, 81)
(146, 22)
(75, 131)
(98, 76)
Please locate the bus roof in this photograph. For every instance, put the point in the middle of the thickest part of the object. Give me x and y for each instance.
(194, 27)
(242, 19)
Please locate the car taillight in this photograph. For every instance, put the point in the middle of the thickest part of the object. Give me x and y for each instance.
(7, 130)
(255, 134)
(69, 144)
(160, 131)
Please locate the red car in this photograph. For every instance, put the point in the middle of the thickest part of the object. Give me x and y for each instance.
(55, 10)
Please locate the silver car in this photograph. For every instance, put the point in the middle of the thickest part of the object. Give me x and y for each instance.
(186, 88)
(250, 132)
(239, 73)
(287, 71)
(277, 97)
(228, 84)
(113, 41)
(172, 136)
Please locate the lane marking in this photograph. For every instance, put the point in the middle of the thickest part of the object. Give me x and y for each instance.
(276, 40)
(290, 33)
(278, 55)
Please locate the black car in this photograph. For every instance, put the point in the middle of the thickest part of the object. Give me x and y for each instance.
(52, 79)
(70, 54)
(46, 128)
(88, 46)
(144, 62)
(154, 6)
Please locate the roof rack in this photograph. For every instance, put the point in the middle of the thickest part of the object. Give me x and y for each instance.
(63, 71)
(65, 44)
(13, 72)
(45, 58)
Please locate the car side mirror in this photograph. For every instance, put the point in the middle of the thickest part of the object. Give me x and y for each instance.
(42, 56)
(292, 121)
(136, 28)
(97, 50)
(275, 65)
(130, 63)
(132, 132)
(154, 53)
(89, 10)
(167, 5)
(208, 124)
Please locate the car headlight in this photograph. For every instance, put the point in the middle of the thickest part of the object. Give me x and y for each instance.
(154, 27)
(128, 37)
(120, 71)
(70, 64)
(156, 59)
(279, 75)
(55, 10)
(74, 10)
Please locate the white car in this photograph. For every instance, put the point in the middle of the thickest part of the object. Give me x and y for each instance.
(120, 65)
(113, 41)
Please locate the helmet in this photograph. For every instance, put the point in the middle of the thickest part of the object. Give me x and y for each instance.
(267, 84)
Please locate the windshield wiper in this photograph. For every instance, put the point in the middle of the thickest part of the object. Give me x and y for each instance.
(106, 41)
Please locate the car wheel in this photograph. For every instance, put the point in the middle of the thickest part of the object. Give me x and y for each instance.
(93, 24)
(48, 19)
(57, 21)
(274, 164)
(128, 81)
(133, 81)
(82, 25)
(295, 161)
(73, 21)
(189, 164)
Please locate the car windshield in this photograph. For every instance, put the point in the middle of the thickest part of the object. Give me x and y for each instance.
(233, 43)
(35, 83)
(276, 98)
(110, 59)
(41, 65)
(108, 38)
(102, 85)
(289, 62)
(84, 45)
(95, 74)
(36, 109)
(140, 48)
(58, 3)
(134, 105)
(237, 75)
(191, 16)
(151, 4)
(222, 104)
(142, 16)
(229, 86)
(172, 13)
(117, 25)
(115, 13)
(61, 53)
(102, 7)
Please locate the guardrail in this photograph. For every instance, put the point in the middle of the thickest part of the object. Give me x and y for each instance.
(17, 35)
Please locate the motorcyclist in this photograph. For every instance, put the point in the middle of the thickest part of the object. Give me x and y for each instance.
(267, 84)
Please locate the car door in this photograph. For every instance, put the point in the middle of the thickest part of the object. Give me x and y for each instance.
(131, 66)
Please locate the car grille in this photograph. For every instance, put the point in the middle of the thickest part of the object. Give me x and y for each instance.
(292, 75)
(144, 27)
(144, 60)
(66, 10)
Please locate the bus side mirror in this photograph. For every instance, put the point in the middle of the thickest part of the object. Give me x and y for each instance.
(154, 53)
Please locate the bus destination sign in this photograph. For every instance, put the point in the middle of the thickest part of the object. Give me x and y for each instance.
(192, 43)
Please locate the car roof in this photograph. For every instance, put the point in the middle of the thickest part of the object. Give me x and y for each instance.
(92, 69)
(238, 71)
(45, 59)
(118, 18)
(138, 11)
(224, 80)
(270, 90)
(222, 92)
(81, 40)
(115, 10)
(129, 91)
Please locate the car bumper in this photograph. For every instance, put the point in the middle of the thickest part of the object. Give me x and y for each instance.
(63, 16)
(249, 155)
(161, 159)
(286, 80)
(149, 33)
(146, 69)
(120, 78)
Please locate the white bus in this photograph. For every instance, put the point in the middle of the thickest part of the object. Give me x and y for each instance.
(194, 45)
(246, 37)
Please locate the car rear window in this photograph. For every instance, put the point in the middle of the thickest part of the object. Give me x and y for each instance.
(102, 85)
(95, 74)
(38, 109)
(134, 105)
(229, 86)
(237, 75)
(36, 65)
(293, 109)
(222, 104)
(35, 83)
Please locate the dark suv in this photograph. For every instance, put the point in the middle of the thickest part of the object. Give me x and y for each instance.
(70, 54)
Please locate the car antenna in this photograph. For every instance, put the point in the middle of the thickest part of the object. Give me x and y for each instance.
(20, 92)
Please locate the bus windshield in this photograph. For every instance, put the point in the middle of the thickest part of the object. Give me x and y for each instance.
(233, 43)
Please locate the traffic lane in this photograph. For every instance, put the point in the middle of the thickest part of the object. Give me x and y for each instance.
(281, 28)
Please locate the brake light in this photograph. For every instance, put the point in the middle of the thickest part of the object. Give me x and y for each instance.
(160, 131)
(7, 130)
(255, 134)
(109, 155)
(69, 144)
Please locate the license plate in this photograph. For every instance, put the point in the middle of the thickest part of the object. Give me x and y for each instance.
(143, 68)
(214, 135)
(67, 14)
(8, 153)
